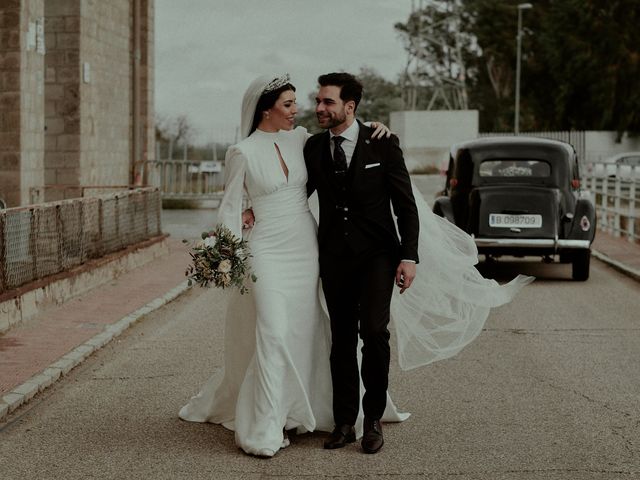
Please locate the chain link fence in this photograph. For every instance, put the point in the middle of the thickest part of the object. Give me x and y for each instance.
(40, 240)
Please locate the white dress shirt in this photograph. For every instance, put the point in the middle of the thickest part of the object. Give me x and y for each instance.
(349, 144)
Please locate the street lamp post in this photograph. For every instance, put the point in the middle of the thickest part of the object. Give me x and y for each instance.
(516, 123)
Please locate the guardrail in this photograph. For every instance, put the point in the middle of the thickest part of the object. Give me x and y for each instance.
(616, 190)
(40, 240)
(186, 180)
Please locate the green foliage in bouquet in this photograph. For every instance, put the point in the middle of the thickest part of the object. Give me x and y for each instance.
(220, 259)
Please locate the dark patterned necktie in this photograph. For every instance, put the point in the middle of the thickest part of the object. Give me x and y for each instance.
(339, 158)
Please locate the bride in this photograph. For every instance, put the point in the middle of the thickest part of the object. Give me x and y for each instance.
(277, 340)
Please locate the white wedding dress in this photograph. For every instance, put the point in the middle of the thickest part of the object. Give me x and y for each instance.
(277, 339)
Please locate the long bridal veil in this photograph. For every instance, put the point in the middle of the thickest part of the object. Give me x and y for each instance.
(449, 300)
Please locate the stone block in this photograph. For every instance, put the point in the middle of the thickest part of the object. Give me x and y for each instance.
(10, 101)
(69, 142)
(10, 17)
(64, 365)
(54, 58)
(11, 81)
(72, 57)
(27, 389)
(9, 141)
(54, 160)
(9, 161)
(67, 176)
(72, 126)
(13, 400)
(10, 61)
(67, 41)
(53, 373)
(54, 24)
(50, 75)
(4, 410)
(72, 24)
(49, 176)
(68, 74)
(68, 108)
(55, 126)
(59, 8)
(50, 143)
(43, 381)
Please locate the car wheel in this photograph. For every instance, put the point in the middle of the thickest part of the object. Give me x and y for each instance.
(580, 265)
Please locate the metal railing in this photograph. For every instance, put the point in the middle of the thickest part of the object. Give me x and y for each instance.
(40, 240)
(185, 180)
(616, 190)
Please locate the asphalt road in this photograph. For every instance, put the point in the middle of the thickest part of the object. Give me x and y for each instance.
(549, 390)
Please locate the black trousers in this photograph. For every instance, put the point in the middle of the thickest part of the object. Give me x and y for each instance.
(358, 293)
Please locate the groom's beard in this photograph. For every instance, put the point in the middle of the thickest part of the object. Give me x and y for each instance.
(331, 120)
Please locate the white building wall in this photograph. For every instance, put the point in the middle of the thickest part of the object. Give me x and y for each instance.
(427, 136)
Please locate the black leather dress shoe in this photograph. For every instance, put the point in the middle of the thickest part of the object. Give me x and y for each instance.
(372, 439)
(340, 436)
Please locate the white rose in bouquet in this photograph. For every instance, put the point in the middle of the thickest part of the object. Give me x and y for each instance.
(225, 266)
(209, 241)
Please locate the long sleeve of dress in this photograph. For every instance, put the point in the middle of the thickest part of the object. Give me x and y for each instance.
(230, 209)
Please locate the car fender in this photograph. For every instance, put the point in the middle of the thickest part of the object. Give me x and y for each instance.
(442, 206)
(584, 216)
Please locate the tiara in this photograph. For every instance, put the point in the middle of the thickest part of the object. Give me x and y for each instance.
(276, 83)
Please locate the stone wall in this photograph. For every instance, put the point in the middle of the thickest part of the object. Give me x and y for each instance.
(66, 117)
(21, 99)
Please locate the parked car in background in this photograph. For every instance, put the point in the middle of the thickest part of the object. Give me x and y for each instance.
(521, 196)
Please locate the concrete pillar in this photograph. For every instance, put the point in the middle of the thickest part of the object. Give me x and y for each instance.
(62, 96)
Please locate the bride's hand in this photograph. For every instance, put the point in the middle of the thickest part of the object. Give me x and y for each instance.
(381, 130)
(248, 219)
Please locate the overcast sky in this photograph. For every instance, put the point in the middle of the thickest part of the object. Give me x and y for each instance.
(208, 51)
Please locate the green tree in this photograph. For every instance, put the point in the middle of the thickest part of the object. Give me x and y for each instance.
(585, 73)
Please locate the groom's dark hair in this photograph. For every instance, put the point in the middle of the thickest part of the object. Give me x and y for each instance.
(350, 86)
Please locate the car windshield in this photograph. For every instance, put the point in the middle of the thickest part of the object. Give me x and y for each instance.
(514, 168)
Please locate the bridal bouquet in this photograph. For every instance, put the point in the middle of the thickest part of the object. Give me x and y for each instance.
(220, 259)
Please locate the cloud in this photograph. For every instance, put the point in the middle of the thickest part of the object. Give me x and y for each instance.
(208, 51)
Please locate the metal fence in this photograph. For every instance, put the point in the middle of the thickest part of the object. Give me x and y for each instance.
(616, 190)
(184, 179)
(41, 240)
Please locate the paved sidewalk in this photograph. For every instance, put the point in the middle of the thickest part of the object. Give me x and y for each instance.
(35, 354)
(38, 352)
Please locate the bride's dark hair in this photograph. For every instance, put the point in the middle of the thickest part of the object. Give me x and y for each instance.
(266, 101)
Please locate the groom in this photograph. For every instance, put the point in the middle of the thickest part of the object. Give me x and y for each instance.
(358, 179)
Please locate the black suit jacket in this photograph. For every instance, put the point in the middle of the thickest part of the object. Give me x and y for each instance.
(361, 216)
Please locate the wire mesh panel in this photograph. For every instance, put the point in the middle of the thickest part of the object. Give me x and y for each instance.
(45, 239)
(18, 248)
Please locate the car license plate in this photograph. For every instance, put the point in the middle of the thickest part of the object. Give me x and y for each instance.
(504, 220)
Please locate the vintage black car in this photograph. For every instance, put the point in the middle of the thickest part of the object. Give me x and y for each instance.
(520, 196)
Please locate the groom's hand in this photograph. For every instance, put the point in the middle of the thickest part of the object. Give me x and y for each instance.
(405, 274)
(248, 219)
